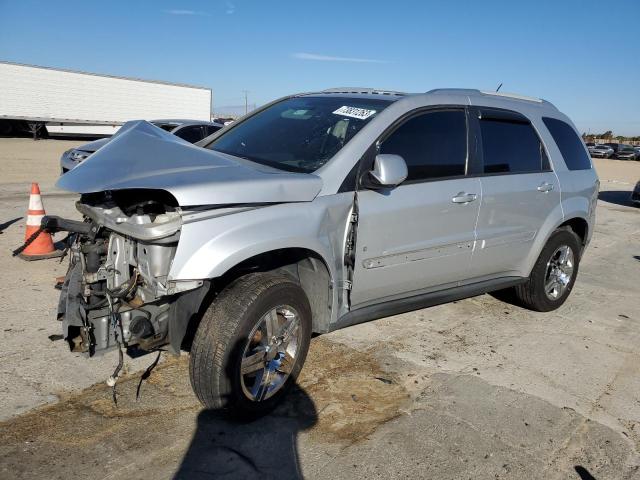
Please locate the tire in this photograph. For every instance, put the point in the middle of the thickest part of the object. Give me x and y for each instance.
(222, 340)
(533, 293)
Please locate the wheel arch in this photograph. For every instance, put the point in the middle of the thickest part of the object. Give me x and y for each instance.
(579, 226)
(306, 266)
(303, 265)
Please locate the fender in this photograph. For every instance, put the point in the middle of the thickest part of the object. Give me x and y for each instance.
(209, 248)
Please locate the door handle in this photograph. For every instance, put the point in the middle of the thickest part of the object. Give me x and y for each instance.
(545, 187)
(464, 197)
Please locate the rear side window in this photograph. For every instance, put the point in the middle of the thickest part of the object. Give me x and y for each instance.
(211, 129)
(570, 145)
(511, 147)
(433, 144)
(191, 134)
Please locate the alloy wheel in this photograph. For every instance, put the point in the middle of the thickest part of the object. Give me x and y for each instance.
(270, 354)
(559, 272)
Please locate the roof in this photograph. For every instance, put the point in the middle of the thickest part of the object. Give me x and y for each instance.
(363, 90)
(358, 92)
(468, 92)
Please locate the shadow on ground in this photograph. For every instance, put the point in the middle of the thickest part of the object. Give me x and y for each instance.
(616, 197)
(5, 225)
(222, 448)
(583, 473)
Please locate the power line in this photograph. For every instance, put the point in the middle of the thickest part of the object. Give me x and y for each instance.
(246, 101)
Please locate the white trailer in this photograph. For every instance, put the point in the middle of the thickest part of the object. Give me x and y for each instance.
(73, 103)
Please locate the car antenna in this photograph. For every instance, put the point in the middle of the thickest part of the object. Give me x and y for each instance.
(499, 86)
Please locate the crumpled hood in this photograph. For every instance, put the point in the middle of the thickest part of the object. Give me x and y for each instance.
(141, 155)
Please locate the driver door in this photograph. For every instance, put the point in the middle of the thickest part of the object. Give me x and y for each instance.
(418, 236)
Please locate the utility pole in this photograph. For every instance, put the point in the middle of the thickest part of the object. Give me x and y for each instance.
(246, 102)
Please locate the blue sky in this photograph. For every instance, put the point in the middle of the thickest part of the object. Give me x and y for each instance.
(583, 56)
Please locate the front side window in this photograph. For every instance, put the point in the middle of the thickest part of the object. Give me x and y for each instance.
(569, 144)
(433, 144)
(299, 134)
(511, 147)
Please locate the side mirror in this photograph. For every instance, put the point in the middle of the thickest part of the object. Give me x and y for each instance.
(388, 170)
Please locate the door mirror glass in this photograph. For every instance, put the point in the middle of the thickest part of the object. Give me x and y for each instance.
(389, 170)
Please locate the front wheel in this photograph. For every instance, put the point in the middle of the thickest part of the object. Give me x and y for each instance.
(251, 344)
(554, 273)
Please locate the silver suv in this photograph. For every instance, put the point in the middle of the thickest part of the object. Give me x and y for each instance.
(317, 212)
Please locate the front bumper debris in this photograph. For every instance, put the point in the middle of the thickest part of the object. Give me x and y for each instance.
(117, 291)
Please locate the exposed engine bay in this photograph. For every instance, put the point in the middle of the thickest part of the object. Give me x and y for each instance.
(116, 292)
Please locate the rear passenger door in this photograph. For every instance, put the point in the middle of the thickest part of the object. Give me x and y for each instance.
(519, 191)
(418, 235)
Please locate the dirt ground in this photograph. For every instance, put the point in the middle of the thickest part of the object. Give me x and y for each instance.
(473, 389)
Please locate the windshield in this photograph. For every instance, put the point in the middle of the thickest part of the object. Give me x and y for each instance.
(299, 134)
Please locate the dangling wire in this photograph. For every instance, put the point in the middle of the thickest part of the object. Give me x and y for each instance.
(116, 324)
(120, 293)
(147, 373)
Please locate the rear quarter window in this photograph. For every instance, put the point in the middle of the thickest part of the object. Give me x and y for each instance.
(569, 144)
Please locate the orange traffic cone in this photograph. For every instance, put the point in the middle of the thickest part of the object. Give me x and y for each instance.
(42, 246)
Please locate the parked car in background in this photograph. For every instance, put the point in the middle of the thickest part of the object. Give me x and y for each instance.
(316, 212)
(600, 151)
(621, 151)
(613, 146)
(626, 152)
(190, 130)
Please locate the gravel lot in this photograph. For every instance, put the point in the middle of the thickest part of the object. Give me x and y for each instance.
(473, 389)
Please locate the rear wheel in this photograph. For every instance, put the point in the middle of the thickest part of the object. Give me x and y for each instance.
(554, 273)
(251, 344)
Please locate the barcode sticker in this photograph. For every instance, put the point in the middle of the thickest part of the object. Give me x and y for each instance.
(354, 112)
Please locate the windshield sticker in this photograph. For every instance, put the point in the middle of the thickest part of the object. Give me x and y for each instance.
(354, 112)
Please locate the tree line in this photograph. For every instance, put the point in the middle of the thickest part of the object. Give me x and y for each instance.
(608, 135)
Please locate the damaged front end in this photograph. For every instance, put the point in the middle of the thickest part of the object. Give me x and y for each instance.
(117, 291)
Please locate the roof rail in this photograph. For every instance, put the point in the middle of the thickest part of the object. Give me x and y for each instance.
(513, 95)
(363, 90)
(454, 91)
(471, 91)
